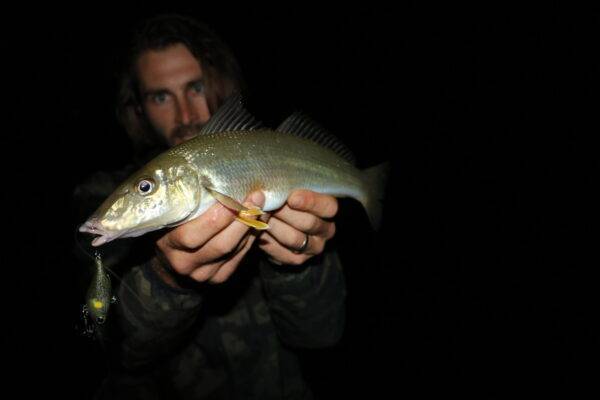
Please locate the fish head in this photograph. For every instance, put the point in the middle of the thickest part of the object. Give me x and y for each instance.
(162, 193)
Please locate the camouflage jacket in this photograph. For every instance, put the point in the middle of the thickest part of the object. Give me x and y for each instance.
(235, 340)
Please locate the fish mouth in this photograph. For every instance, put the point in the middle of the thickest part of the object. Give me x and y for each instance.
(93, 226)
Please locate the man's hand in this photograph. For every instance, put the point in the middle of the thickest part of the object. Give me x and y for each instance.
(302, 218)
(208, 248)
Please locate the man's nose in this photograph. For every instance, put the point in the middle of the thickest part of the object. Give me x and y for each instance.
(187, 112)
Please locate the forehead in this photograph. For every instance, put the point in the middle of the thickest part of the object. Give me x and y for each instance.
(168, 67)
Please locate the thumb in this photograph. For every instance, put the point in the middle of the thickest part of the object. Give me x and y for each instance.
(256, 198)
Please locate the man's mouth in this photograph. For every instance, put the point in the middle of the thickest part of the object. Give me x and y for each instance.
(181, 139)
(184, 133)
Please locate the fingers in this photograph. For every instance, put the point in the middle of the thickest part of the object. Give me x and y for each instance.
(321, 205)
(282, 241)
(304, 216)
(201, 254)
(291, 238)
(301, 221)
(229, 266)
(195, 233)
(226, 242)
(211, 255)
(207, 271)
(281, 254)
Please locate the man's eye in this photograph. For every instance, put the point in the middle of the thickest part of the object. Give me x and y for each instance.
(198, 87)
(159, 98)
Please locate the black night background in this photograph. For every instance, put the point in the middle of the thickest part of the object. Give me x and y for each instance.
(480, 283)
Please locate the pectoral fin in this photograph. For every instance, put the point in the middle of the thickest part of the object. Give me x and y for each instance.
(253, 223)
(251, 212)
(233, 204)
(244, 213)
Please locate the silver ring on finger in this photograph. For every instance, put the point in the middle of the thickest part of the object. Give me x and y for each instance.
(303, 246)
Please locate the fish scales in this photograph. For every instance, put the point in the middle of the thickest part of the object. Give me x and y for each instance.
(238, 162)
(226, 165)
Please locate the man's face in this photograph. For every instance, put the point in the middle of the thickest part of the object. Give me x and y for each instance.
(172, 92)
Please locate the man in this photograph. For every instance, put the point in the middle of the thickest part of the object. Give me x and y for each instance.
(214, 309)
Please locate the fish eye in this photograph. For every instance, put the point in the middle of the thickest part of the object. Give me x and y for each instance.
(100, 320)
(145, 186)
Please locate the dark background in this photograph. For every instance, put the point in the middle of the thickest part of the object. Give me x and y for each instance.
(480, 282)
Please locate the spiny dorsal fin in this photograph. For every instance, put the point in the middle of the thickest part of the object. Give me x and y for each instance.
(231, 116)
(299, 124)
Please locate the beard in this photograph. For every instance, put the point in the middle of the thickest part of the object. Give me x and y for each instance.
(183, 133)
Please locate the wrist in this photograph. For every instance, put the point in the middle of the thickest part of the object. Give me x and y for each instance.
(167, 275)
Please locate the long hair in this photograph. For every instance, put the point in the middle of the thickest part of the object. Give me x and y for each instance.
(222, 74)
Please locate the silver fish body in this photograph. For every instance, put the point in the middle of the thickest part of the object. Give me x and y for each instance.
(178, 185)
(236, 163)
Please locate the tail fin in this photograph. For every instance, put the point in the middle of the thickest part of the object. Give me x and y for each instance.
(375, 179)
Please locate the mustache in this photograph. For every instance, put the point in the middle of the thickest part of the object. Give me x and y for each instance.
(186, 131)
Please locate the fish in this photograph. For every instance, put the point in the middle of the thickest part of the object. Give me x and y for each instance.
(232, 156)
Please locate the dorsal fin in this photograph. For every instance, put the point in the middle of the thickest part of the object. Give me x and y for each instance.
(299, 124)
(231, 116)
